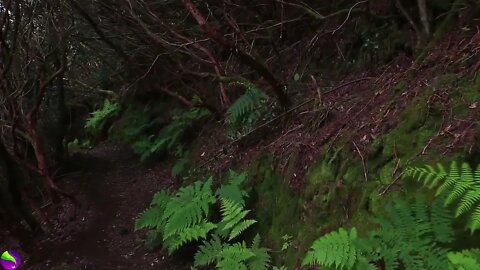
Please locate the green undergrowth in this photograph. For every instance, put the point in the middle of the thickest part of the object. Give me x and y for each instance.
(336, 192)
(149, 136)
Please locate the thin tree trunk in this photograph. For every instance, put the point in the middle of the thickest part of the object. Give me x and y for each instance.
(422, 9)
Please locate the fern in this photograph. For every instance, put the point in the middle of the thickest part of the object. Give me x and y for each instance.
(232, 190)
(233, 256)
(170, 138)
(461, 186)
(191, 233)
(334, 249)
(181, 165)
(98, 118)
(261, 259)
(246, 110)
(182, 217)
(233, 223)
(189, 207)
(208, 252)
(465, 260)
(410, 236)
(152, 218)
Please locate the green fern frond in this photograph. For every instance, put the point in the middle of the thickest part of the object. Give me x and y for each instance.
(170, 138)
(234, 256)
(261, 259)
(195, 232)
(150, 218)
(232, 218)
(232, 189)
(182, 217)
(209, 251)
(465, 260)
(240, 227)
(99, 117)
(441, 222)
(460, 186)
(474, 223)
(244, 112)
(153, 217)
(188, 207)
(409, 234)
(335, 249)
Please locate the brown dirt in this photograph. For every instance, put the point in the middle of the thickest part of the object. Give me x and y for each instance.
(113, 188)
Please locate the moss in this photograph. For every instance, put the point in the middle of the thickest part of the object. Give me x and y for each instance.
(277, 208)
(466, 94)
(400, 86)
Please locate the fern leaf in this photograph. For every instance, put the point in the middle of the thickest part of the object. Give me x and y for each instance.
(232, 218)
(208, 252)
(234, 256)
(240, 227)
(232, 190)
(188, 207)
(244, 111)
(261, 259)
(468, 201)
(464, 260)
(99, 117)
(450, 181)
(409, 233)
(335, 248)
(150, 218)
(461, 187)
(196, 232)
(441, 222)
(474, 223)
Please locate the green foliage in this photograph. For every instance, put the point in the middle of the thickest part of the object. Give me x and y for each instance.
(465, 260)
(244, 113)
(232, 190)
(233, 256)
(99, 117)
(181, 165)
(133, 125)
(334, 249)
(410, 236)
(170, 138)
(460, 185)
(180, 218)
(233, 219)
(183, 217)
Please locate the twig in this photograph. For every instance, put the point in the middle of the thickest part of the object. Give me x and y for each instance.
(363, 161)
(348, 16)
(391, 184)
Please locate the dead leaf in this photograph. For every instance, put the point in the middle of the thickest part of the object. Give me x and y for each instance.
(473, 106)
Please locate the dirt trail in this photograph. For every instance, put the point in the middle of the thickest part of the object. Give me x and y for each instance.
(113, 188)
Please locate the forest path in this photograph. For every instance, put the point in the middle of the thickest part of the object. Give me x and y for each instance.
(113, 187)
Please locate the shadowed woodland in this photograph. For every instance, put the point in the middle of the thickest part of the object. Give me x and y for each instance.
(276, 134)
